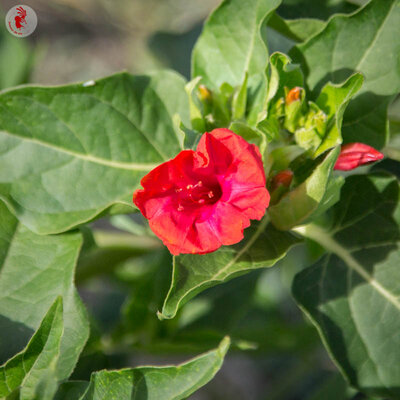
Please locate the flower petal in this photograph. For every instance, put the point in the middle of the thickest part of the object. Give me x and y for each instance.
(172, 198)
(353, 155)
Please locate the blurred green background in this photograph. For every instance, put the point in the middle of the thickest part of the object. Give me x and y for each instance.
(124, 272)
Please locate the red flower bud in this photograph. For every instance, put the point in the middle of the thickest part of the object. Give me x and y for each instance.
(203, 199)
(352, 155)
(283, 178)
(293, 95)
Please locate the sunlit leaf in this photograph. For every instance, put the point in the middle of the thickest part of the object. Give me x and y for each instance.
(69, 153)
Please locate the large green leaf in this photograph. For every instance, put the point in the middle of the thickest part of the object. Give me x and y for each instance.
(231, 43)
(302, 202)
(364, 42)
(150, 383)
(69, 153)
(352, 294)
(261, 247)
(34, 270)
(27, 367)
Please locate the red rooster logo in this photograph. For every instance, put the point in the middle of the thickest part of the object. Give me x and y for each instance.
(20, 18)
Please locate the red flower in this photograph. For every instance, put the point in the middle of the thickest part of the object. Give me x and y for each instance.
(203, 199)
(352, 155)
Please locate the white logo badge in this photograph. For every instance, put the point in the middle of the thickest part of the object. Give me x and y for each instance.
(21, 21)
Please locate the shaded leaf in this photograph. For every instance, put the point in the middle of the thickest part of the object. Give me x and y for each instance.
(70, 153)
(352, 293)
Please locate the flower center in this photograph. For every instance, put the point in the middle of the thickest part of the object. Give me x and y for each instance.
(198, 194)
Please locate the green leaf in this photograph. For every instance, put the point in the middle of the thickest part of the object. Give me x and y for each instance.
(352, 293)
(302, 202)
(333, 100)
(231, 44)
(151, 383)
(69, 153)
(34, 270)
(361, 42)
(26, 368)
(261, 247)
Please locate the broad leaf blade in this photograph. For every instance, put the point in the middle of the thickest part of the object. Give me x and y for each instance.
(26, 368)
(352, 294)
(150, 383)
(69, 153)
(231, 43)
(34, 270)
(362, 42)
(262, 247)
